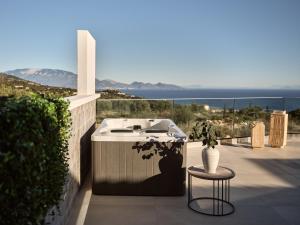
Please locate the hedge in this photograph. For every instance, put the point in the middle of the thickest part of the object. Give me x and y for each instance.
(34, 133)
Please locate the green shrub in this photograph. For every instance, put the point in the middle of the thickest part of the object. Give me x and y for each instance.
(183, 114)
(121, 106)
(159, 106)
(33, 157)
(103, 105)
(224, 131)
(197, 107)
(250, 114)
(139, 106)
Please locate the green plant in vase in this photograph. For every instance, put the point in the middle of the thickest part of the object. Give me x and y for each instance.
(206, 133)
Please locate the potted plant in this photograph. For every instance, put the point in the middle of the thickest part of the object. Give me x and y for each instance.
(206, 132)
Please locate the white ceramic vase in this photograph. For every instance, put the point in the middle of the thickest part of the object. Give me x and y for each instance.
(210, 159)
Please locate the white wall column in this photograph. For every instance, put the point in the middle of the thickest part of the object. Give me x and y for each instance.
(86, 63)
(83, 112)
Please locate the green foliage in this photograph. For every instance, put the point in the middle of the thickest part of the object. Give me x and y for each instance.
(121, 106)
(197, 107)
(243, 131)
(160, 106)
(183, 114)
(223, 131)
(205, 132)
(14, 86)
(295, 114)
(115, 94)
(250, 114)
(139, 106)
(33, 156)
(104, 105)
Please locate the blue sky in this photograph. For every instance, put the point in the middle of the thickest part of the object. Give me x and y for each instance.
(212, 43)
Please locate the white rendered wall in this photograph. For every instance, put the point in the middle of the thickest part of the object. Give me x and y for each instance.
(86, 63)
(83, 112)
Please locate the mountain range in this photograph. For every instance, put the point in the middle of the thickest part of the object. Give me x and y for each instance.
(62, 78)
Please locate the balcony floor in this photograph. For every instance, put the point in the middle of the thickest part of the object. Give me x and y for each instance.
(266, 190)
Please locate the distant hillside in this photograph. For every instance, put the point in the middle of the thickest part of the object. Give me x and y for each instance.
(141, 85)
(50, 77)
(12, 85)
(61, 78)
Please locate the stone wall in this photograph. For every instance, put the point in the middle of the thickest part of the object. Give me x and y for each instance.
(83, 125)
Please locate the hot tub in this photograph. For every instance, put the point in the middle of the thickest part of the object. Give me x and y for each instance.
(138, 157)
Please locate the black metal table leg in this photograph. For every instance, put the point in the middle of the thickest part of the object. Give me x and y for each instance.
(221, 194)
(218, 196)
(189, 188)
(213, 197)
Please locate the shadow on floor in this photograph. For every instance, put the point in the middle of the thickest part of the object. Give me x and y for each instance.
(268, 198)
(267, 206)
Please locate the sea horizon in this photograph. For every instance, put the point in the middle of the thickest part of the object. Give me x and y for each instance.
(213, 93)
(268, 99)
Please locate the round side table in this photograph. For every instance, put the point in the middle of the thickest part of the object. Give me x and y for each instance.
(220, 194)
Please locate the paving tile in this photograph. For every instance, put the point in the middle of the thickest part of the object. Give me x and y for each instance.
(289, 213)
(265, 191)
(178, 202)
(255, 215)
(117, 215)
(122, 200)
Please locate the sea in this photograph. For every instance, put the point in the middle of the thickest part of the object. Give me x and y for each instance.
(269, 99)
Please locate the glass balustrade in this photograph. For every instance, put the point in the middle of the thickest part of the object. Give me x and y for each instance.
(233, 117)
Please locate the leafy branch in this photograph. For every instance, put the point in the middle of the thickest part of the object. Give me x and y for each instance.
(205, 132)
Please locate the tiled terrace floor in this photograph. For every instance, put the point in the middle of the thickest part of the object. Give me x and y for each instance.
(265, 191)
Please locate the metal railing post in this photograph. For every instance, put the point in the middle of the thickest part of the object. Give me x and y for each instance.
(173, 110)
(233, 118)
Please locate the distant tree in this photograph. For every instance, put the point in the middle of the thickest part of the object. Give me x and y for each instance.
(197, 107)
(139, 106)
(194, 107)
(250, 114)
(295, 114)
(159, 106)
(104, 105)
(121, 106)
(183, 114)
